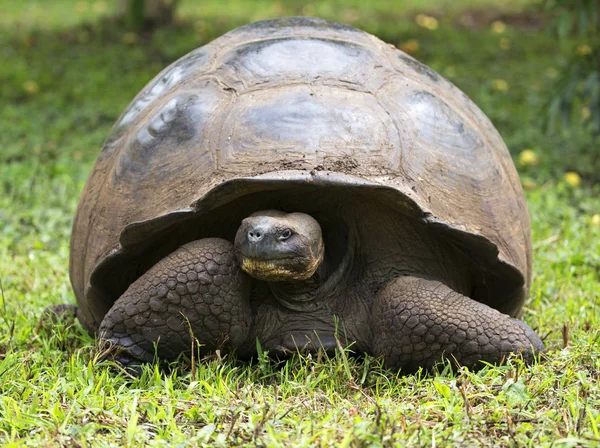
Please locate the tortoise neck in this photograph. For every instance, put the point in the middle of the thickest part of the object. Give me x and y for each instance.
(320, 289)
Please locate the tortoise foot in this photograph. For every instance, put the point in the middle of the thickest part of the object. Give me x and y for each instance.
(196, 296)
(123, 357)
(419, 322)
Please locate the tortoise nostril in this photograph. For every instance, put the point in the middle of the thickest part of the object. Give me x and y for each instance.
(255, 236)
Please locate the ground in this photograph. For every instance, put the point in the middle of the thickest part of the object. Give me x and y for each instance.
(66, 75)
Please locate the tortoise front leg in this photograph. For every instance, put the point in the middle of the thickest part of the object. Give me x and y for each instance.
(197, 292)
(417, 322)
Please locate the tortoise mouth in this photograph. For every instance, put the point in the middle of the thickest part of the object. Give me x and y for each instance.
(269, 259)
(272, 271)
(281, 268)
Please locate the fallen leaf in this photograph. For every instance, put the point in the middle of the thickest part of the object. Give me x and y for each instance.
(410, 46)
(584, 50)
(425, 21)
(573, 179)
(528, 157)
(31, 87)
(505, 43)
(498, 27)
(500, 84)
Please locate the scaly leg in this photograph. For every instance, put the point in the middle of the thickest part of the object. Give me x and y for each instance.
(197, 292)
(416, 322)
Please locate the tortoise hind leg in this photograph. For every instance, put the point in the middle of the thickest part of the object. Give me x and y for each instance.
(417, 322)
(197, 292)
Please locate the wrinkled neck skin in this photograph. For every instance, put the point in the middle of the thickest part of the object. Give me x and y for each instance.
(317, 291)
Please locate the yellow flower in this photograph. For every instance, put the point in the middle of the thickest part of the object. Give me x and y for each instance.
(573, 179)
(498, 27)
(410, 46)
(528, 157)
(585, 113)
(129, 38)
(31, 87)
(596, 220)
(500, 84)
(583, 50)
(431, 23)
(505, 43)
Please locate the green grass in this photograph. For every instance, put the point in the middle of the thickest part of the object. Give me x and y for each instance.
(65, 78)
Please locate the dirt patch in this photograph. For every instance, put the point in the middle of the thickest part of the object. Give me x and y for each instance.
(345, 166)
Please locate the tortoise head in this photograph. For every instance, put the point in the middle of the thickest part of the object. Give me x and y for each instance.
(275, 246)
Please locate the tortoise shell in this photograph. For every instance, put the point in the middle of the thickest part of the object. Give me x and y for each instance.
(296, 105)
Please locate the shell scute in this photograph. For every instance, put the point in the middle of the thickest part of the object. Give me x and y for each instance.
(191, 64)
(311, 60)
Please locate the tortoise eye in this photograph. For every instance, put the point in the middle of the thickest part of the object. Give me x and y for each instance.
(285, 235)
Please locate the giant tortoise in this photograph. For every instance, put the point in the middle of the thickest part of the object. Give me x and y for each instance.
(300, 183)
